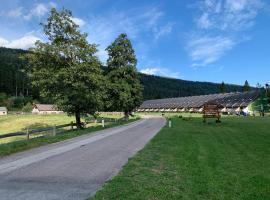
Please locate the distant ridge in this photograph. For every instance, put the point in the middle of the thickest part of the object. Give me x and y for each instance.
(155, 87)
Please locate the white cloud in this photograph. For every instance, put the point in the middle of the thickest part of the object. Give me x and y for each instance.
(3, 42)
(39, 10)
(153, 16)
(78, 21)
(206, 50)
(24, 42)
(17, 12)
(225, 22)
(204, 22)
(160, 71)
(104, 29)
(162, 31)
(229, 15)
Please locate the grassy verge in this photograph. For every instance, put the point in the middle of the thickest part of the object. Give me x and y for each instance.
(171, 114)
(193, 160)
(13, 147)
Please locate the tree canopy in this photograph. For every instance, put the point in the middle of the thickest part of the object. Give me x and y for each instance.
(125, 89)
(65, 68)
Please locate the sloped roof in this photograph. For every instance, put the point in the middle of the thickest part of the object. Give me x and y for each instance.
(45, 107)
(237, 99)
(3, 109)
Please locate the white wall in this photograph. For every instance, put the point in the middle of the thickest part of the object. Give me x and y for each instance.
(3, 113)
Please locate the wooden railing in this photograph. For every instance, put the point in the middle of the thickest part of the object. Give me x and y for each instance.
(53, 129)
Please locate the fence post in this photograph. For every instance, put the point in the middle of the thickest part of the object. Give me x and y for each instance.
(71, 125)
(102, 121)
(27, 133)
(54, 131)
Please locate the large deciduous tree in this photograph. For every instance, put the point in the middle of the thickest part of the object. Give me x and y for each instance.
(65, 68)
(125, 89)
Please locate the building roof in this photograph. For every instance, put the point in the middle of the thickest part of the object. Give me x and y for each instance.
(237, 99)
(3, 109)
(45, 107)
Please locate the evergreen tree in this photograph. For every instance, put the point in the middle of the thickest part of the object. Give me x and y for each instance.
(65, 69)
(246, 87)
(267, 88)
(222, 87)
(125, 89)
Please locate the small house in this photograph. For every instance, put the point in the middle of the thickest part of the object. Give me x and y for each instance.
(45, 109)
(3, 111)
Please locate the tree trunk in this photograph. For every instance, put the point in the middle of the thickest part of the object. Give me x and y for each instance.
(78, 120)
(126, 115)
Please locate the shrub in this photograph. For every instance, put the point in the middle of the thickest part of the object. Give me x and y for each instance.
(28, 107)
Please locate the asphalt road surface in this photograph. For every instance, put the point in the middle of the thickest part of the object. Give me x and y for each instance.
(76, 168)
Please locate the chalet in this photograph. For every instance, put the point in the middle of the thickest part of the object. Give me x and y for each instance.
(45, 109)
(3, 111)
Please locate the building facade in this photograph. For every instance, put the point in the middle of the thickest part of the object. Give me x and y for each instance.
(230, 103)
(44, 109)
(3, 111)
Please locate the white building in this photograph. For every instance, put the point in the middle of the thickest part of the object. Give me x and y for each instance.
(3, 111)
(45, 109)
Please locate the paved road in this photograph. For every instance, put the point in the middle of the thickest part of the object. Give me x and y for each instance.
(76, 168)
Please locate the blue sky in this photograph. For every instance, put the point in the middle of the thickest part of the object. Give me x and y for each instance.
(200, 40)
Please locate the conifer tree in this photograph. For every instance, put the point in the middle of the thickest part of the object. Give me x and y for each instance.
(125, 89)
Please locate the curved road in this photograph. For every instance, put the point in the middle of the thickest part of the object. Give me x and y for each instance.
(76, 168)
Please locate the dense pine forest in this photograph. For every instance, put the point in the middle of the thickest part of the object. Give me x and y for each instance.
(14, 82)
(156, 87)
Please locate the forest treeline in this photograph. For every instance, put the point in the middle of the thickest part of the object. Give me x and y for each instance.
(14, 82)
(156, 87)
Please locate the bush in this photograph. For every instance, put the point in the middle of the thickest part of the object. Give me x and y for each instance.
(28, 107)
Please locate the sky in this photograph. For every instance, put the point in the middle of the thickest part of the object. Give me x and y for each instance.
(199, 40)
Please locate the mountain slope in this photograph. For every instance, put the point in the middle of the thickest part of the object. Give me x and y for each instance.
(156, 87)
(13, 81)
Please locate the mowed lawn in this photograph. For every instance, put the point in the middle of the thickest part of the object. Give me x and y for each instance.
(192, 160)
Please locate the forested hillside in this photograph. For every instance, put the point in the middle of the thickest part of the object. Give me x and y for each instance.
(156, 87)
(13, 81)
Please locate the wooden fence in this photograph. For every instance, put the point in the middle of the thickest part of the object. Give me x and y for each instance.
(53, 129)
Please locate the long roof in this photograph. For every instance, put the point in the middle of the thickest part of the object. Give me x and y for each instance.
(237, 99)
(3, 109)
(45, 107)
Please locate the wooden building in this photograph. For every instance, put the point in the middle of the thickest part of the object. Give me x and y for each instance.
(45, 109)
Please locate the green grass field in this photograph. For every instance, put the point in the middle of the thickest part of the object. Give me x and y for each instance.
(14, 123)
(192, 160)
